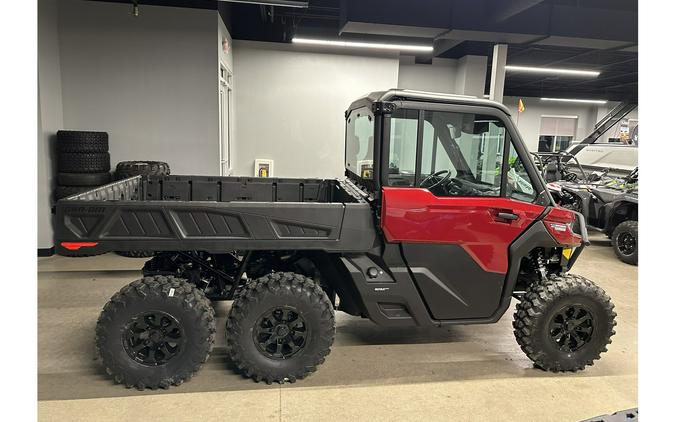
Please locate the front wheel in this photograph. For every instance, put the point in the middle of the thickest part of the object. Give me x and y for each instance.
(625, 242)
(564, 323)
(280, 328)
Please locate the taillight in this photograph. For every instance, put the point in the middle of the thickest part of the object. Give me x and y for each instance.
(559, 222)
(74, 246)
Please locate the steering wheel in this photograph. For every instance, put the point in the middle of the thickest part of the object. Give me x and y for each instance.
(429, 183)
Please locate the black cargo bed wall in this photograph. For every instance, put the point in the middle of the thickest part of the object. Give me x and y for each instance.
(226, 189)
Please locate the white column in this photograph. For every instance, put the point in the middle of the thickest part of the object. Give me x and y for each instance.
(470, 75)
(498, 72)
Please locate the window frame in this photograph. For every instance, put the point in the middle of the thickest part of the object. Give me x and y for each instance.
(511, 136)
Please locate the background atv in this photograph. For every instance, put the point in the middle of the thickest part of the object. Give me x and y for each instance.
(556, 166)
(609, 205)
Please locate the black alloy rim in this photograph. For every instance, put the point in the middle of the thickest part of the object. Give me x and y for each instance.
(280, 333)
(626, 243)
(571, 328)
(153, 338)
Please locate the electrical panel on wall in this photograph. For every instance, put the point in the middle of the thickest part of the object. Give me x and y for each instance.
(263, 167)
(365, 168)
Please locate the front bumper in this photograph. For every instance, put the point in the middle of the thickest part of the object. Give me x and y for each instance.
(580, 225)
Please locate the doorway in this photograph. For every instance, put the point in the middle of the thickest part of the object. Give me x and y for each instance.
(225, 119)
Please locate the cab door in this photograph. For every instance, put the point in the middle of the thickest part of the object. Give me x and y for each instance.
(456, 195)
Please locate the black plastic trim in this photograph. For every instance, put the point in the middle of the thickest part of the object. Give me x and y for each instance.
(405, 290)
(45, 252)
(418, 147)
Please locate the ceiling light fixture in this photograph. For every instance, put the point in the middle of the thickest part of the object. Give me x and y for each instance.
(359, 44)
(574, 100)
(280, 3)
(570, 72)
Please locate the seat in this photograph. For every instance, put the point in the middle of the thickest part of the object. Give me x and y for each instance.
(553, 172)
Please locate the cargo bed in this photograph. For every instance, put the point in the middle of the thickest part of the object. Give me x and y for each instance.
(215, 214)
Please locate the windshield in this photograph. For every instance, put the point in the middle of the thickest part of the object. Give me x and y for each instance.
(359, 143)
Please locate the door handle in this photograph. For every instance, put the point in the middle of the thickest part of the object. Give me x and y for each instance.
(507, 216)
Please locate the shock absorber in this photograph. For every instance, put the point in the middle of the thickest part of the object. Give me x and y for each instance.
(539, 257)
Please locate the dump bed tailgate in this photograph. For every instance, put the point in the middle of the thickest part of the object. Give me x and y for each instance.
(117, 217)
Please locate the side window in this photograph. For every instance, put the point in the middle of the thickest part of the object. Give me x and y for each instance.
(434, 157)
(402, 147)
(462, 154)
(359, 143)
(519, 185)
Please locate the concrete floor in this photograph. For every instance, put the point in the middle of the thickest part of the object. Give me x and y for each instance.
(460, 373)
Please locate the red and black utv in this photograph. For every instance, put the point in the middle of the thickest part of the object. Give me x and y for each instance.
(442, 218)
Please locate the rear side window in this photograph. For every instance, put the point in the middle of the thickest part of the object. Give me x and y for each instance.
(359, 143)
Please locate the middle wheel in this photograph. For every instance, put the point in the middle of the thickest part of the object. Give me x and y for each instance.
(280, 328)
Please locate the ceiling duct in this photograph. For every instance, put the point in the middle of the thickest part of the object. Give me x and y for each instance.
(279, 3)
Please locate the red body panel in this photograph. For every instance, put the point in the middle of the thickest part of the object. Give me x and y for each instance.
(416, 215)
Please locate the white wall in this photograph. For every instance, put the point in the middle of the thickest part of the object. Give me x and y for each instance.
(436, 77)
(50, 113)
(529, 121)
(290, 105)
(149, 81)
(464, 76)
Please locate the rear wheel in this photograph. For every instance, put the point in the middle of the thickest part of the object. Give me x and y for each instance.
(155, 332)
(564, 323)
(625, 242)
(281, 328)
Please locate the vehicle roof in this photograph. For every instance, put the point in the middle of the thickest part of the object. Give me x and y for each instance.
(395, 94)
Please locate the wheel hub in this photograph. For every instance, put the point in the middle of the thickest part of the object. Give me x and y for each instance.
(282, 330)
(156, 336)
(571, 328)
(153, 338)
(626, 243)
(280, 333)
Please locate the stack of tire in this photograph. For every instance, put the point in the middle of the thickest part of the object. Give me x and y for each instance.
(126, 169)
(83, 162)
